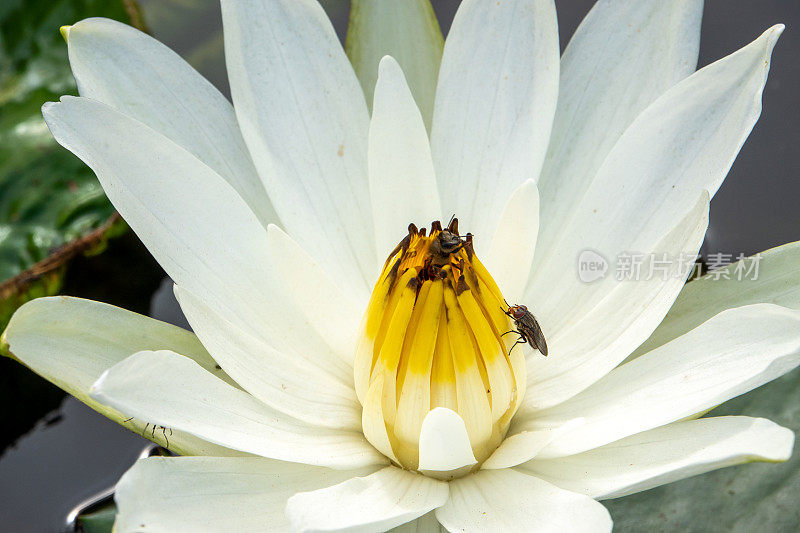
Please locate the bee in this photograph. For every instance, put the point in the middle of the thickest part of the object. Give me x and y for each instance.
(527, 328)
(448, 241)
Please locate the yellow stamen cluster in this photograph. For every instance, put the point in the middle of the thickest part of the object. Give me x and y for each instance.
(431, 337)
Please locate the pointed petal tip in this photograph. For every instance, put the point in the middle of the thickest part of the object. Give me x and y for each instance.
(47, 107)
(776, 30)
(387, 61)
(528, 187)
(703, 206)
(389, 69)
(95, 391)
(771, 36)
(98, 390)
(64, 31)
(273, 231)
(276, 235)
(521, 447)
(5, 348)
(767, 41)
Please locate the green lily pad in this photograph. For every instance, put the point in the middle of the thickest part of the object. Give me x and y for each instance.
(51, 205)
(100, 520)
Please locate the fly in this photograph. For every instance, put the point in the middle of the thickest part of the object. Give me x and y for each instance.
(527, 328)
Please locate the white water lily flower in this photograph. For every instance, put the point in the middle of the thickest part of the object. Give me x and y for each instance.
(309, 404)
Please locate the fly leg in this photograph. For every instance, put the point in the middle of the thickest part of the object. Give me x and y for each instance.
(164, 432)
(521, 340)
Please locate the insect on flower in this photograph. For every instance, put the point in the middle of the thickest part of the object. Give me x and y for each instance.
(448, 242)
(407, 407)
(528, 328)
(153, 432)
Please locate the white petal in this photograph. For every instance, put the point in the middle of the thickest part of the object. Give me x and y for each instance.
(325, 304)
(511, 252)
(304, 118)
(197, 227)
(424, 524)
(197, 494)
(525, 445)
(592, 346)
(380, 501)
(191, 220)
(71, 342)
(621, 58)
(282, 380)
(443, 443)
(666, 454)
(770, 276)
(373, 419)
(140, 77)
(401, 180)
(506, 500)
(278, 322)
(681, 144)
(175, 392)
(494, 107)
(734, 352)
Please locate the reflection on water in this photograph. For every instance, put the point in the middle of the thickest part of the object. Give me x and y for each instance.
(58, 465)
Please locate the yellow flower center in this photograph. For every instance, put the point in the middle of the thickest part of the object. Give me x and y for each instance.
(432, 337)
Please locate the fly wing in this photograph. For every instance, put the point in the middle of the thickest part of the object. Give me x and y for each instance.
(534, 332)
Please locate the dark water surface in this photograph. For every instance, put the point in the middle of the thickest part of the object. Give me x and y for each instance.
(61, 457)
